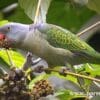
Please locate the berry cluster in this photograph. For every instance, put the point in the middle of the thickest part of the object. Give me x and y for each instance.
(42, 88)
(15, 86)
(4, 43)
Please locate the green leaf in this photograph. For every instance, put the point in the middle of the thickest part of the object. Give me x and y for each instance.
(19, 16)
(4, 65)
(17, 58)
(3, 22)
(71, 17)
(82, 2)
(69, 95)
(94, 5)
(92, 69)
(5, 3)
(30, 7)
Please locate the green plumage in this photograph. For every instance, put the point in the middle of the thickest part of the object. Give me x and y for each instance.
(66, 40)
(62, 38)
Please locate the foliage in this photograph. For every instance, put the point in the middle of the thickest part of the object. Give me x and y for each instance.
(18, 59)
(94, 5)
(31, 10)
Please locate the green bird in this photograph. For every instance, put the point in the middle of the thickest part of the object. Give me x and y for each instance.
(54, 44)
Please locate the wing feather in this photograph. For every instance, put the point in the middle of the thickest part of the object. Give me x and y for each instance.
(62, 38)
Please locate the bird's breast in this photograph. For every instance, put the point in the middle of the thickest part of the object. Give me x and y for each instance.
(39, 46)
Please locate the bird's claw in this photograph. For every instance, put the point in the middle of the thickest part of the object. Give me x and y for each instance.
(63, 71)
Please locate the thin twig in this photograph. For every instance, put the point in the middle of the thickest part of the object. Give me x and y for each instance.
(70, 73)
(83, 76)
(88, 29)
(37, 11)
(9, 57)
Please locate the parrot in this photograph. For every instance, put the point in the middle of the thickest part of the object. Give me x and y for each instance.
(56, 45)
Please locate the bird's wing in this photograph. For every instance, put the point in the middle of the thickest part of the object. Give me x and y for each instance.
(62, 38)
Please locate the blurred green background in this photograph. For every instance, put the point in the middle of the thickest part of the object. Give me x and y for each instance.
(61, 12)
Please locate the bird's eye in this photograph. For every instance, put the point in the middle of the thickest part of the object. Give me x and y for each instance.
(8, 28)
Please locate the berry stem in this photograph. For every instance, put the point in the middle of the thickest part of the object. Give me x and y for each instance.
(72, 74)
(37, 11)
(10, 58)
(88, 29)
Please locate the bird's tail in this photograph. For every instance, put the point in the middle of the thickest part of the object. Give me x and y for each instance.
(94, 57)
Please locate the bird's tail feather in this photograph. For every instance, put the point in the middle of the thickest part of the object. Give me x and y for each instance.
(87, 57)
(94, 57)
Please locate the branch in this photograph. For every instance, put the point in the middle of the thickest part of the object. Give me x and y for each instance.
(9, 57)
(88, 29)
(10, 8)
(64, 72)
(37, 11)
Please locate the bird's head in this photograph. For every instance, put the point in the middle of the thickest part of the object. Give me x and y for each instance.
(13, 33)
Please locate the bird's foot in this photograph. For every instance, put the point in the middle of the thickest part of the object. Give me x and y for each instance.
(63, 71)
